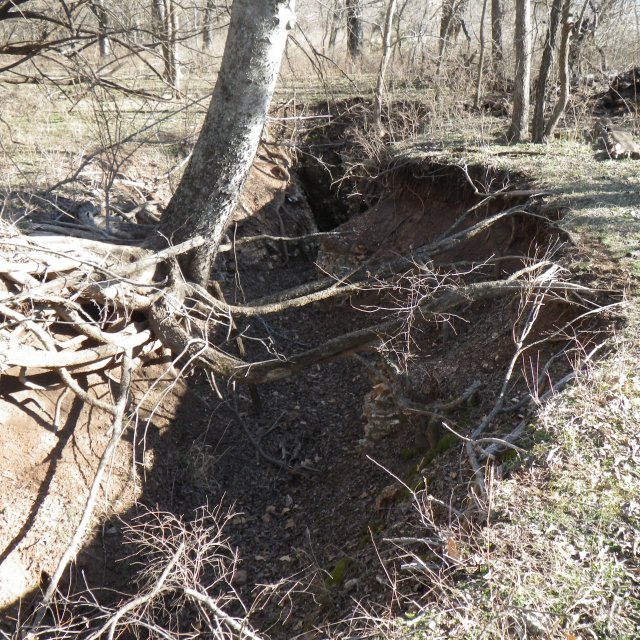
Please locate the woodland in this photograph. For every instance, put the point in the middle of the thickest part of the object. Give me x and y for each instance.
(319, 319)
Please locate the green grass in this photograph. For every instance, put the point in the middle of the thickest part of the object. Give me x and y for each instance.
(601, 195)
(562, 550)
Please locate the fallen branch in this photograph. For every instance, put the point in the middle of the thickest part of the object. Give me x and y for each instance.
(255, 441)
(74, 544)
(31, 358)
(134, 604)
(240, 627)
(332, 286)
(168, 312)
(47, 341)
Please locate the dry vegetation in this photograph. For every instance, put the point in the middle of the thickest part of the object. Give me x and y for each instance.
(521, 520)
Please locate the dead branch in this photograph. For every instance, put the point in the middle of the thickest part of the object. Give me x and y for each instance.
(168, 312)
(437, 409)
(33, 359)
(47, 342)
(495, 449)
(352, 282)
(72, 548)
(240, 627)
(241, 242)
(255, 441)
(134, 604)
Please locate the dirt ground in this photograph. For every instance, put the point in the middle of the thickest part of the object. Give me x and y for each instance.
(318, 533)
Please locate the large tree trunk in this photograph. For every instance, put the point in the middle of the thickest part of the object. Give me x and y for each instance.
(222, 157)
(520, 118)
(355, 29)
(207, 24)
(384, 61)
(545, 70)
(497, 54)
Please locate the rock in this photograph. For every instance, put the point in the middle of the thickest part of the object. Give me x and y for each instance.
(240, 578)
(352, 584)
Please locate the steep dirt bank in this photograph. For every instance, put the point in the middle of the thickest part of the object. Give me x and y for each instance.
(339, 425)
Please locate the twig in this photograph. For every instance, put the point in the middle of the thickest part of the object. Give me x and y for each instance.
(140, 600)
(520, 348)
(492, 451)
(429, 497)
(436, 410)
(261, 238)
(72, 547)
(224, 617)
(478, 474)
(426, 541)
(256, 445)
(160, 256)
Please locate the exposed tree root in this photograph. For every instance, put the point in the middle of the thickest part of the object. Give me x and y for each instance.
(186, 318)
(90, 305)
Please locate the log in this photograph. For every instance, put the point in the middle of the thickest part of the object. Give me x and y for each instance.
(617, 142)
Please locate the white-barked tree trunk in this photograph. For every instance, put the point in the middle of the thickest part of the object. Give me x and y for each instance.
(208, 192)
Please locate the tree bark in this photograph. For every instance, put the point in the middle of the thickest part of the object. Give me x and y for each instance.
(563, 62)
(545, 69)
(476, 101)
(207, 25)
(518, 130)
(209, 190)
(337, 12)
(355, 30)
(165, 20)
(384, 61)
(104, 45)
(450, 25)
(173, 69)
(497, 54)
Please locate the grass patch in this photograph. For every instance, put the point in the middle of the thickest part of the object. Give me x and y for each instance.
(560, 558)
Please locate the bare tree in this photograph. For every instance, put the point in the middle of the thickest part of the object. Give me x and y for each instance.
(337, 15)
(583, 30)
(103, 27)
(522, 42)
(173, 70)
(209, 189)
(166, 22)
(563, 99)
(386, 53)
(450, 25)
(207, 24)
(497, 54)
(476, 101)
(545, 70)
(355, 29)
